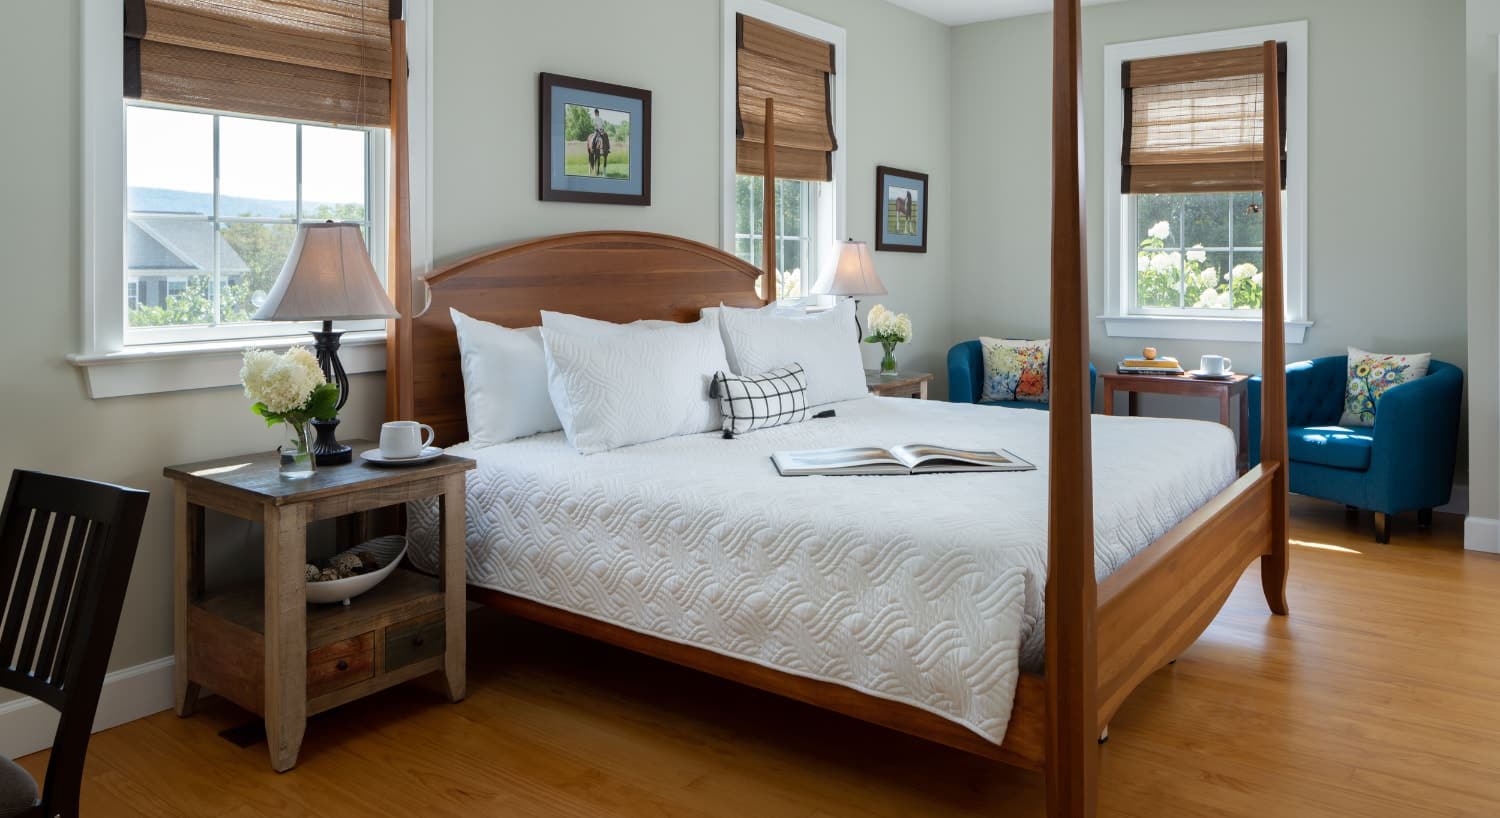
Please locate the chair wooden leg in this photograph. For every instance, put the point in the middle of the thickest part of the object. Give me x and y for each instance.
(1382, 527)
(1424, 517)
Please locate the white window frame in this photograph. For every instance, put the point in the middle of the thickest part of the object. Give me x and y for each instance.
(1120, 319)
(111, 367)
(831, 209)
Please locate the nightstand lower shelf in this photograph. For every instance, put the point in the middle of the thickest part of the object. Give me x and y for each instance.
(387, 636)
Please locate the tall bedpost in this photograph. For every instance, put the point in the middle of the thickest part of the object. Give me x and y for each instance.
(1071, 595)
(399, 401)
(768, 223)
(1273, 446)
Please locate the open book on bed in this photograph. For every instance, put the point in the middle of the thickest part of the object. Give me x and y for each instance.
(913, 458)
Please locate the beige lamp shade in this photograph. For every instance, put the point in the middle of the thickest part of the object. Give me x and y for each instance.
(852, 274)
(328, 276)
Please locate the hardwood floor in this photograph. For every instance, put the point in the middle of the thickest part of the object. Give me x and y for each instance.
(1378, 696)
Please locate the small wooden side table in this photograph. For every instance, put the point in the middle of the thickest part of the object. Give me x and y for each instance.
(905, 385)
(260, 646)
(1186, 385)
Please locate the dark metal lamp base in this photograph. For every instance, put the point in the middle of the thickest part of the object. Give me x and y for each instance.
(327, 450)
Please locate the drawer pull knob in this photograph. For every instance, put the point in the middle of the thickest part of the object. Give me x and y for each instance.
(418, 641)
(342, 665)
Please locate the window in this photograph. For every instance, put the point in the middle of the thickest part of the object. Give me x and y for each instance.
(799, 243)
(213, 203)
(809, 166)
(1185, 258)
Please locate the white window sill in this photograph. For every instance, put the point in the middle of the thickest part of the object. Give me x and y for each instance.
(147, 370)
(1183, 328)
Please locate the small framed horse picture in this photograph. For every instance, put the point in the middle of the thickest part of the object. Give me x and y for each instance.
(595, 142)
(901, 210)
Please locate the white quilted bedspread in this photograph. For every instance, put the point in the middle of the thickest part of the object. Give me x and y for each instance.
(925, 590)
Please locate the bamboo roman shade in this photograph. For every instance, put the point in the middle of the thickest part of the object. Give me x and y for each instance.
(796, 71)
(1196, 122)
(313, 60)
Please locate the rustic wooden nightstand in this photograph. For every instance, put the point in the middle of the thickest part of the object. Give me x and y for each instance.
(260, 646)
(904, 385)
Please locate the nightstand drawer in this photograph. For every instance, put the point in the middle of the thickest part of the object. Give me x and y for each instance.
(340, 664)
(414, 640)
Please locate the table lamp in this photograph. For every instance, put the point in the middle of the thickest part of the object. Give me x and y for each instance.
(328, 277)
(853, 274)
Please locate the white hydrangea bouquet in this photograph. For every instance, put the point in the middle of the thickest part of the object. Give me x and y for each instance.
(290, 388)
(888, 329)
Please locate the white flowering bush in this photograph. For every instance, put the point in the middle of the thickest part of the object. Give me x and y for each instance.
(288, 388)
(887, 327)
(1161, 272)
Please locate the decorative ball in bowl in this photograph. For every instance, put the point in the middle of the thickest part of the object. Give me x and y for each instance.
(353, 572)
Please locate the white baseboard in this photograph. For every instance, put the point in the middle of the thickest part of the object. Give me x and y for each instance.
(1482, 534)
(27, 725)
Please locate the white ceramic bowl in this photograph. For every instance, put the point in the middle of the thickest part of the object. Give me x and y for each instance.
(387, 550)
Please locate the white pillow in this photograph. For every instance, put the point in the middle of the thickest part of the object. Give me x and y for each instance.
(616, 385)
(824, 343)
(505, 381)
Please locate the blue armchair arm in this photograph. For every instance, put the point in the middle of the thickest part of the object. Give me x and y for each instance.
(1314, 396)
(963, 373)
(1416, 441)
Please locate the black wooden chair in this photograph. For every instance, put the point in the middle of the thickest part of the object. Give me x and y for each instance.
(66, 547)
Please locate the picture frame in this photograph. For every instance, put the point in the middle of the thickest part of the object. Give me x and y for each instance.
(902, 199)
(595, 144)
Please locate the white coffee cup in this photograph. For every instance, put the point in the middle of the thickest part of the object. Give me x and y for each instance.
(1216, 365)
(403, 438)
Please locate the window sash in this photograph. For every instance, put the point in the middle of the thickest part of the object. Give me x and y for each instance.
(1133, 296)
(373, 224)
(810, 241)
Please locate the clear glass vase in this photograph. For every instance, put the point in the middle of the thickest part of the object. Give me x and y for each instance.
(888, 363)
(297, 462)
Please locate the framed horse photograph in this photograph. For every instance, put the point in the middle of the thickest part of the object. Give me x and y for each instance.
(901, 210)
(595, 142)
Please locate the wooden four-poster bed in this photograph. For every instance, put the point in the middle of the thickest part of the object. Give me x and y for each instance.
(1101, 639)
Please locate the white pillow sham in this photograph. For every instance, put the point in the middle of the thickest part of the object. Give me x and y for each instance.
(505, 381)
(616, 385)
(760, 340)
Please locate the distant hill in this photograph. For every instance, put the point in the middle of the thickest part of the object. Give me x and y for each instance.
(166, 200)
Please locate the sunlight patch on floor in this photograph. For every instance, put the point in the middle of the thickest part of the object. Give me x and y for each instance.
(1323, 546)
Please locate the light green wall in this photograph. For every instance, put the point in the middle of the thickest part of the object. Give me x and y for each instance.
(1386, 256)
(487, 59)
(1483, 25)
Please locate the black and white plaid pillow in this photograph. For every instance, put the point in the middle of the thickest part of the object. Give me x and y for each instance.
(775, 398)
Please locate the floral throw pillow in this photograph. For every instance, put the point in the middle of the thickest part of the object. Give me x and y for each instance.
(1370, 375)
(1015, 370)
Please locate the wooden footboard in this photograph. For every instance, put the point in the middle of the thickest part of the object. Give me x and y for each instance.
(1163, 599)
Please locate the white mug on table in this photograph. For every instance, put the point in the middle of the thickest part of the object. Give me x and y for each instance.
(1216, 365)
(404, 438)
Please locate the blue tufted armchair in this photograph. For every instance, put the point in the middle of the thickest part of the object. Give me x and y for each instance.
(1403, 463)
(966, 378)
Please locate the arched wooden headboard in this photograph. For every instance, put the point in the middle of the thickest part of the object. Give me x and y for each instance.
(612, 276)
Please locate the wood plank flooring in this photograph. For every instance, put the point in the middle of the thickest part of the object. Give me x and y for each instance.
(1379, 696)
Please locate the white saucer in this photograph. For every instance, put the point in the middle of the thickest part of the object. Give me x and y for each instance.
(374, 456)
(1204, 376)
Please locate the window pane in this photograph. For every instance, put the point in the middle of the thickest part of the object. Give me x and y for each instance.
(1159, 278)
(169, 162)
(1207, 275)
(1247, 280)
(257, 168)
(745, 199)
(1206, 219)
(170, 261)
(333, 173)
(250, 257)
(1157, 218)
(1249, 228)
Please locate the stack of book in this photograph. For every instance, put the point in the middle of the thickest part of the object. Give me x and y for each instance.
(1150, 366)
